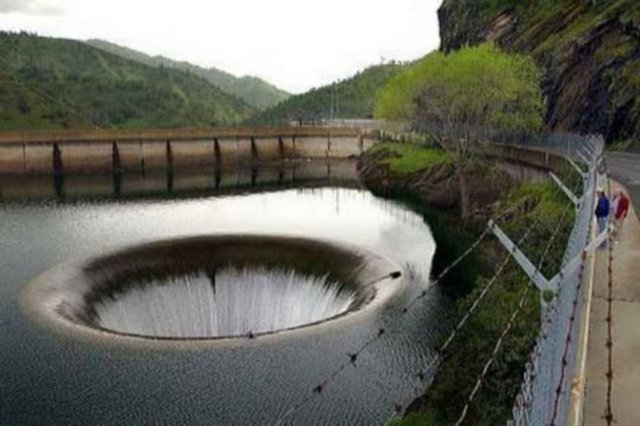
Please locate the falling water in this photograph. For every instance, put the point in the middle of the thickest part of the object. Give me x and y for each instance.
(229, 302)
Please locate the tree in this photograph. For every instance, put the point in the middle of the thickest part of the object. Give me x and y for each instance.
(456, 97)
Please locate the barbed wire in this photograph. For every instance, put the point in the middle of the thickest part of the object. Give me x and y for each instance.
(554, 234)
(317, 390)
(509, 325)
(494, 355)
(484, 292)
(442, 350)
(353, 357)
(534, 402)
(532, 374)
(567, 340)
(609, 342)
(608, 412)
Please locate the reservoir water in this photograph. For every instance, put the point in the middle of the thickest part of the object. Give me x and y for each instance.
(53, 378)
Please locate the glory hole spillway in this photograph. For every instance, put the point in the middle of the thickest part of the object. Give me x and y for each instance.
(220, 300)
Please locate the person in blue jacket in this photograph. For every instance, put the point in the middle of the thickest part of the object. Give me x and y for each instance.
(602, 213)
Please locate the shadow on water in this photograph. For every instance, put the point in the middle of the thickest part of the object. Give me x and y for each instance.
(175, 183)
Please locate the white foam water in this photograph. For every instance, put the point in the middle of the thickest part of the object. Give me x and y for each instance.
(233, 302)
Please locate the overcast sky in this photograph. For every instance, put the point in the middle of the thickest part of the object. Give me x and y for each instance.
(295, 44)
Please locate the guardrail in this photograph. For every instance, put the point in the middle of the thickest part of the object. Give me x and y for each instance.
(545, 394)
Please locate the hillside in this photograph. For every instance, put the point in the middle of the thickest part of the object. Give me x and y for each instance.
(252, 90)
(351, 98)
(56, 83)
(589, 49)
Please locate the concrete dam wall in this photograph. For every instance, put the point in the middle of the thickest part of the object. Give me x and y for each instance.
(137, 152)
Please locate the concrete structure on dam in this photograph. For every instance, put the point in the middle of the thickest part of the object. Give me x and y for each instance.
(120, 151)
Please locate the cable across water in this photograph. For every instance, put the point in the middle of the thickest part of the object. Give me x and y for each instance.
(510, 323)
(353, 357)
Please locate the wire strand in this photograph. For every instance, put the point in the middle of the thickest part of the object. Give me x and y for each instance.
(318, 389)
(509, 325)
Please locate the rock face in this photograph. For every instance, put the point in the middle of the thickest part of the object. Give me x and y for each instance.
(589, 49)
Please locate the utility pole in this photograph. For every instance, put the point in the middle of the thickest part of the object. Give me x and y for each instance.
(337, 103)
(331, 105)
(334, 103)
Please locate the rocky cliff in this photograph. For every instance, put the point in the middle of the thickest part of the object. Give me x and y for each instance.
(589, 49)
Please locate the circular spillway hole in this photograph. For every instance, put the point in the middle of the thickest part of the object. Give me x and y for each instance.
(214, 287)
(228, 301)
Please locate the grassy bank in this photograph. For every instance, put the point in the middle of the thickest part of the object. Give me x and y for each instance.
(472, 347)
(540, 205)
(406, 158)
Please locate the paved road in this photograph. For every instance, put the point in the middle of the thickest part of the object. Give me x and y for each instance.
(625, 168)
(626, 333)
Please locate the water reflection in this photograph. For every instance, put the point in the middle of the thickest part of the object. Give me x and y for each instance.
(63, 381)
(178, 182)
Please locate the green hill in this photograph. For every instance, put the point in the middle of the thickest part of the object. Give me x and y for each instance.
(252, 90)
(351, 98)
(57, 83)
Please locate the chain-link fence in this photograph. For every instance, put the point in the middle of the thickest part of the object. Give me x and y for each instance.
(545, 394)
(567, 144)
(430, 133)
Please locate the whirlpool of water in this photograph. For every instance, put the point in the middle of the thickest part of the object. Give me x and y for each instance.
(228, 302)
(53, 377)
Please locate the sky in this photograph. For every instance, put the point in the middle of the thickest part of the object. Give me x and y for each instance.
(294, 44)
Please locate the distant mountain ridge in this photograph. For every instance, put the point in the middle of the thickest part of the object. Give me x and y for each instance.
(354, 97)
(49, 83)
(255, 91)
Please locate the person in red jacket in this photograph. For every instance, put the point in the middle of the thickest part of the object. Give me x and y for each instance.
(620, 212)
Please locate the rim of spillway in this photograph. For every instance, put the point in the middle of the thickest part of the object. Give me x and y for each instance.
(63, 297)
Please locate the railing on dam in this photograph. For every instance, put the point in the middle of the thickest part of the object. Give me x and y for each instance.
(121, 151)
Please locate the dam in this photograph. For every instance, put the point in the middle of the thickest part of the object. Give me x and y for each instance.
(122, 151)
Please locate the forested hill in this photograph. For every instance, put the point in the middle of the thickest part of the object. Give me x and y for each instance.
(254, 91)
(351, 98)
(590, 50)
(57, 83)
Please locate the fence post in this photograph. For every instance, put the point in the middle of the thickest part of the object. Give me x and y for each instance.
(575, 200)
(534, 274)
(544, 394)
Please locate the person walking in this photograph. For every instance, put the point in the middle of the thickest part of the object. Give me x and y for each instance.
(602, 213)
(620, 210)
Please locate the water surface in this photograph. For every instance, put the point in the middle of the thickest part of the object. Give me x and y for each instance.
(53, 379)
